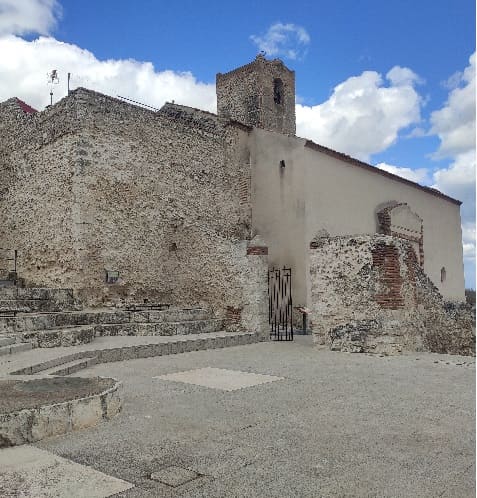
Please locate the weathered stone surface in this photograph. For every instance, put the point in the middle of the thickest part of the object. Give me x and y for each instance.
(45, 419)
(250, 94)
(370, 294)
(30, 471)
(59, 337)
(29, 299)
(168, 191)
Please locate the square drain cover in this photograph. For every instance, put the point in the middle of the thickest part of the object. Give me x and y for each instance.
(174, 476)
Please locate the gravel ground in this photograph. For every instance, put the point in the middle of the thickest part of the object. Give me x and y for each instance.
(336, 425)
(18, 395)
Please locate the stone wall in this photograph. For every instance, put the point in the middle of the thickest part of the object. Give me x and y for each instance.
(162, 198)
(260, 94)
(370, 294)
(36, 197)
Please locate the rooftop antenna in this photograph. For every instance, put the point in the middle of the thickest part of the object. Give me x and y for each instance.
(52, 80)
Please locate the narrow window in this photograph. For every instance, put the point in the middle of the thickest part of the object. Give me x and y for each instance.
(278, 91)
(443, 274)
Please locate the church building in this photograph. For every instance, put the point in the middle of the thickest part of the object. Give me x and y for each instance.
(230, 211)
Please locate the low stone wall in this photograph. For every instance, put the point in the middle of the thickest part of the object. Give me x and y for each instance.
(370, 294)
(36, 423)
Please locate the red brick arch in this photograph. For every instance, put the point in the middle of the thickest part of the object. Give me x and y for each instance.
(397, 219)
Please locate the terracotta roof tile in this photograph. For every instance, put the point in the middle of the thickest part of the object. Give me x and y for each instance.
(25, 107)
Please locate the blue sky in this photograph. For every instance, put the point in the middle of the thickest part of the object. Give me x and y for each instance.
(390, 82)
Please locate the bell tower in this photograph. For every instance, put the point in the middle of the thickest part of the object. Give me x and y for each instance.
(260, 94)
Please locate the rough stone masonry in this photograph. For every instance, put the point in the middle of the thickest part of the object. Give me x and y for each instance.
(370, 294)
(179, 206)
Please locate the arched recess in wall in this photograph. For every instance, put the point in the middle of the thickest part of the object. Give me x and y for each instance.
(278, 91)
(397, 219)
(443, 274)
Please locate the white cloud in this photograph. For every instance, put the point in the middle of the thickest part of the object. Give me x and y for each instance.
(455, 122)
(286, 40)
(458, 180)
(420, 175)
(28, 16)
(455, 126)
(417, 133)
(403, 76)
(363, 116)
(24, 65)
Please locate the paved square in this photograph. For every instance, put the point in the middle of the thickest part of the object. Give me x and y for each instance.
(29, 471)
(174, 476)
(219, 378)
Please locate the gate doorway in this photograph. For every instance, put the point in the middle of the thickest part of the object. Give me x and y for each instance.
(280, 304)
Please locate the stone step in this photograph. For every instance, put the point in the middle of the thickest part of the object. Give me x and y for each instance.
(45, 321)
(70, 367)
(14, 348)
(36, 299)
(33, 305)
(111, 349)
(14, 306)
(71, 336)
(44, 293)
(52, 364)
(170, 315)
(7, 325)
(160, 328)
(6, 340)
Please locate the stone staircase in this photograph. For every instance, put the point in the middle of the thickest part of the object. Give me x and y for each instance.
(71, 328)
(51, 318)
(9, 345)
(15, 299)
(112, 349)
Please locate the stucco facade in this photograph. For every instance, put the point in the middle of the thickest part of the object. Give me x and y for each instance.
(188, 207)
(302, 189)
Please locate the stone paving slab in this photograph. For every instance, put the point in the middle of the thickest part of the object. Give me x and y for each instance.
(219, 378)
(26, 471)
(337, 425)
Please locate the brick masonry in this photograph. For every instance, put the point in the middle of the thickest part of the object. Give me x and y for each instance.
(370, 294)
(413, 231)
(257, 251)
(386, 262)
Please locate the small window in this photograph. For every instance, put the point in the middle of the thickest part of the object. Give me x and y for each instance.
(443, 274)
(278, 91)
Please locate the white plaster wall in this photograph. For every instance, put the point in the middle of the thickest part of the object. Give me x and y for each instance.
(278, 213)
(317, 191)
(343, 200)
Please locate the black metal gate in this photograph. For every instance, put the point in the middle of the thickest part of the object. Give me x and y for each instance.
(280, 304)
